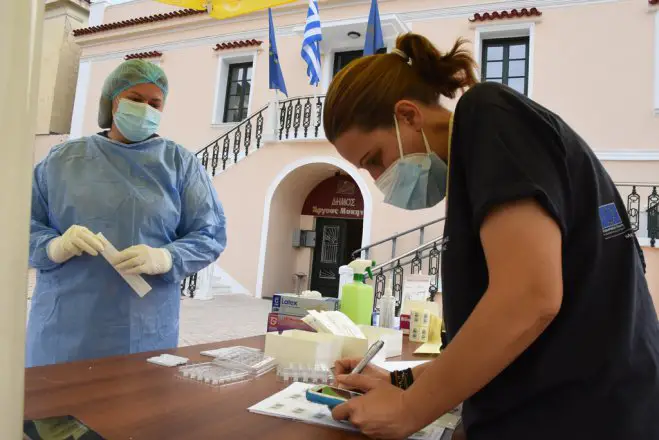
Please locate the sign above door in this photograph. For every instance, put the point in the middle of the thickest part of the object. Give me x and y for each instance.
(336, 197)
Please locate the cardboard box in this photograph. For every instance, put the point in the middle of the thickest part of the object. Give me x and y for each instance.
(294, 305)
(306, 348)
(278, 323)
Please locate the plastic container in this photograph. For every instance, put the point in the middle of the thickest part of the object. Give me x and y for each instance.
(388, 308)
(345, 277)
(357, 301)
(313, 374)
(357, 297)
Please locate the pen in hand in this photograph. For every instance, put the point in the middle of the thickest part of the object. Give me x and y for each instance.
(368, 357)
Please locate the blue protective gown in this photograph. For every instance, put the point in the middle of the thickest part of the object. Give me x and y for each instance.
(154, 193)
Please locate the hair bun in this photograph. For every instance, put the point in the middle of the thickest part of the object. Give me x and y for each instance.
(449, 73)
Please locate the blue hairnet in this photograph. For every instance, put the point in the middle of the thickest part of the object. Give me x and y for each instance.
(128, 74)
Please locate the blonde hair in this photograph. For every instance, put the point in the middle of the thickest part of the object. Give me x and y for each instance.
(364, 93)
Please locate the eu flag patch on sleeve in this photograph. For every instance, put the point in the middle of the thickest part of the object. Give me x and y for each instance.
(611, 221)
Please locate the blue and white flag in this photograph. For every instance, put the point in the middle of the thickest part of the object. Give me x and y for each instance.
(311, 44)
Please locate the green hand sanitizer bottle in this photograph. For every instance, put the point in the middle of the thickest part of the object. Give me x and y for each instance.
(357, 297)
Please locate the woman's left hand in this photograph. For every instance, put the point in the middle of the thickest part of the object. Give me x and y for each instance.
(380, 413)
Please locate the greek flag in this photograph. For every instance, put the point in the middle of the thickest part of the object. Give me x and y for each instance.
(311, 44)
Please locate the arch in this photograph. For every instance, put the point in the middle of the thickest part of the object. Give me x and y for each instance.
(272, 189)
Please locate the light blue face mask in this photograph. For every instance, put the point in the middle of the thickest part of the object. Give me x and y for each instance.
(415, 181)
(135, 120)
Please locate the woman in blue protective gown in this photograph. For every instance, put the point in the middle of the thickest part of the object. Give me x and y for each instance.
(147, 196)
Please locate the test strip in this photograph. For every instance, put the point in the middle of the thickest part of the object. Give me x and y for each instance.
(137, 283)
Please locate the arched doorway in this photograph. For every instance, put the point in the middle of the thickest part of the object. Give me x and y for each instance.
(337, 206)
(278, 260)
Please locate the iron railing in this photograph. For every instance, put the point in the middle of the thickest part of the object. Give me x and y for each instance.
(189, 284)
(301, 118)
(393, 240)
(642, 209)
(412, 261)
(235, 144)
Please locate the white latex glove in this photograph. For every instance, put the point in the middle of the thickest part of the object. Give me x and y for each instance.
(75, 241)
(142, 259)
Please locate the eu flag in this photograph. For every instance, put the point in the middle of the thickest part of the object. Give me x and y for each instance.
(374, 40)
(276, 76)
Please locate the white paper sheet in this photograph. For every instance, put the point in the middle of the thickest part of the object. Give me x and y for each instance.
(138, 284)
(398, 365)
(292, 404)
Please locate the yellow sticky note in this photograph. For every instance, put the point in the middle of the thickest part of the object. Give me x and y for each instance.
(434, 344)
(435, 335)
(428, 348)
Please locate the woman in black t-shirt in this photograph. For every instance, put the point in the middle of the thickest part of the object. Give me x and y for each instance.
(552, 330)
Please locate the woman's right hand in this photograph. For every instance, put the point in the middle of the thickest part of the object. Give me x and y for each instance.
(345, 366)
(74, 242)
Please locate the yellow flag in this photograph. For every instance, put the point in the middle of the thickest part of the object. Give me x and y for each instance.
(188, 4)
(227, 8)
(232, 8)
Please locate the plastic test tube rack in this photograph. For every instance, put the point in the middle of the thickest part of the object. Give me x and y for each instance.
(314, 374)
(213, 374)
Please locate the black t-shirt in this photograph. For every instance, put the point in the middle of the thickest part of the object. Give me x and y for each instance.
(594, 372)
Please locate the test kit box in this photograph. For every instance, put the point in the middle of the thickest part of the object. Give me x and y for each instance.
(405, 321)
(278, 323)
(294, 305)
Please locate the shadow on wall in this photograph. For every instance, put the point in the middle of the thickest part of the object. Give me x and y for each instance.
(285, 211)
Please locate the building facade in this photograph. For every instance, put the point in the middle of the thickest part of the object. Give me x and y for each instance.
(296, 211)
(60, 58)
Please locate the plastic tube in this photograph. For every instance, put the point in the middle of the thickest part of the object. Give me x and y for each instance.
(136, 282)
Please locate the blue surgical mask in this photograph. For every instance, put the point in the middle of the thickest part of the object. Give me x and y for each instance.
(415, 181)
(135, 120)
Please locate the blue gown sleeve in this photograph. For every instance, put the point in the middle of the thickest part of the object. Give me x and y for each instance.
(41, 232)
(202, 227)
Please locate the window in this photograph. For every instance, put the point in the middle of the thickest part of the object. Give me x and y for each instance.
(239, 82)
(342, 59)
(506, 61)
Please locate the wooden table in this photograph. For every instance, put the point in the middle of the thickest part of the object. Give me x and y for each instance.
(127, 398)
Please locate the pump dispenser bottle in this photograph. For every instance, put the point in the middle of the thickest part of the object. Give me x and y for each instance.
(357, 297)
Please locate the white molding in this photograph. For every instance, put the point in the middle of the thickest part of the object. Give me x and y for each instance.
(392, 27)
(97, 13)
(507, 30)
(80, 100)
(224, 61)
(656, 62)
(471, 9)
(329, 160)
(628, 155)
(200, 22)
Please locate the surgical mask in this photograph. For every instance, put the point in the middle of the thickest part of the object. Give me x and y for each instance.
(135, 120)
(415, 181)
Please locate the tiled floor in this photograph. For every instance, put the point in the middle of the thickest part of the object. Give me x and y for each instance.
(223, 318)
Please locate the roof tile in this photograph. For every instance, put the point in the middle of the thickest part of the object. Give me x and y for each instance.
(513, 13)
(136, 21)
(237, 44)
